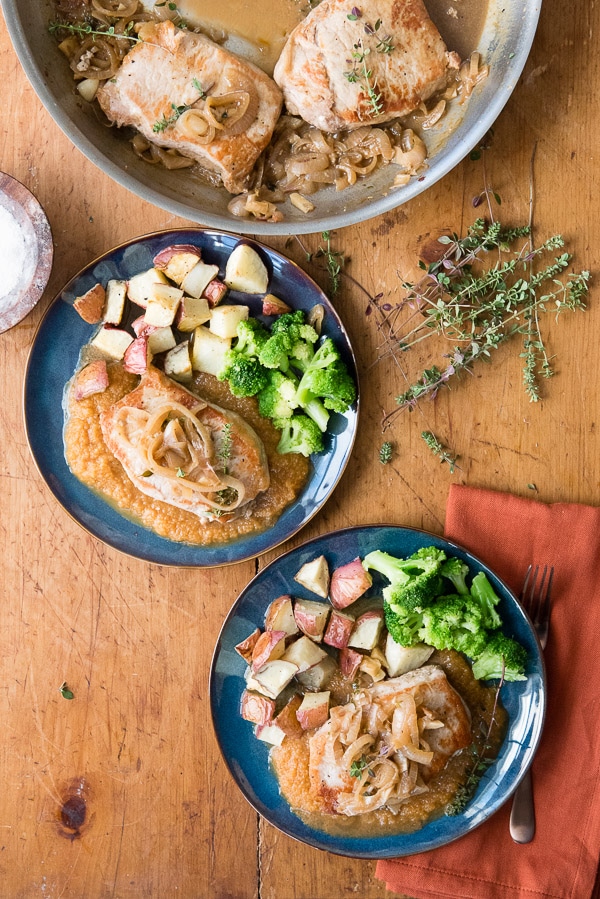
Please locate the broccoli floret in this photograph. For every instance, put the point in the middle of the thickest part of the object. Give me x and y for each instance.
(429, 552)
(454, 622)
(414, 582)
(456, 571)
(245, 375)
(502, 657)
(277, 400)
(300, 434)
(251, 337)
(291, 342)
(403, 624)
(484, 593)
(333, 385)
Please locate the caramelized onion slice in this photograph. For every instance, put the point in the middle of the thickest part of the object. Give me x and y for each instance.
(195, 125)
(233, 112)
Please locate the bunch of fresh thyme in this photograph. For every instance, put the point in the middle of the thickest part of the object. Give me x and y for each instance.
(476, 308)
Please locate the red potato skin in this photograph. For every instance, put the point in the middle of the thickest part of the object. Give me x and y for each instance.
(91, 304)
(309, 624)
(162, 259)
(348, 583)
(244, 649)
(215, 292)
(91, 379)
(274, 306)
(313, 717)
(350, 661)
(257, 709)
(135, 359)
(275, 608)
(269, 647)
(286, 719)
(338, 630)
(141, 328)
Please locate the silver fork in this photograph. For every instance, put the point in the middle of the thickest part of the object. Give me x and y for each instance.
(535, 599)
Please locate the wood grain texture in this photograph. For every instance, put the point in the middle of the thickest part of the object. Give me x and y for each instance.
(133, 641)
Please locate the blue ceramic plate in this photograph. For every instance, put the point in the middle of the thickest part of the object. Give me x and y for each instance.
(53, 360)
(248, 758)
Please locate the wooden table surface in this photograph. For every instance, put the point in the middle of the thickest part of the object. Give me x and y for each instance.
(133, 640)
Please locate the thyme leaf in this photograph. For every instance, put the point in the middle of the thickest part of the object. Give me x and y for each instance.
(438, 449)
(385, 452)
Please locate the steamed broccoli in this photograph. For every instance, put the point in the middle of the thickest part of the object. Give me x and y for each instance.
(454, 622)
(414, 582)
(243, 371)
(290, 343)
(245, 375)
(484, 593)
(501, 657)
(277, 400)
(251, 337)
(300, 434)
(333, 385)
(456, 571)
(404, 626)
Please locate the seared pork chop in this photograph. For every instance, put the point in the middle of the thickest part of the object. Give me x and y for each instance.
(182, 91)
(382, 748)
(340, 69)
(183, 450)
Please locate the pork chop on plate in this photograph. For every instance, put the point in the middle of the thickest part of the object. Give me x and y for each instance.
(181, 449)
(345, 66)
(381, 749)
(183, 91)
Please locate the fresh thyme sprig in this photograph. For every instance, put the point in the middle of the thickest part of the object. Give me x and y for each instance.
(360, 73)
(224, 454)
(438, 449)
(86, 29)
(385, 452)
(478, 308)
(166, 121)
(334, 260)
(481, 761)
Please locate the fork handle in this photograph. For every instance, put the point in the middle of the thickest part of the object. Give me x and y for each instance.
(522, 815)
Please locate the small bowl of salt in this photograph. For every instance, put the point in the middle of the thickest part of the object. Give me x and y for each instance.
(27, 251)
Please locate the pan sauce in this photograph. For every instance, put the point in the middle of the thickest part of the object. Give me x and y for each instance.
(258, 29)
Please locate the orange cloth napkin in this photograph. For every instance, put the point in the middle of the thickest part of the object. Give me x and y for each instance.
(507, 533)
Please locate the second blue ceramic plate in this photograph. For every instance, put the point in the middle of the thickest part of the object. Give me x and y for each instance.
(53, 360)
(247, 757)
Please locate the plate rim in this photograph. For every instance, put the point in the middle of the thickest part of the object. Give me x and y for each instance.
(541, 694)
(248, 555)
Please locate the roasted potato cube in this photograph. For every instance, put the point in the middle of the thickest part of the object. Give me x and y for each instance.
(286, 719)
(178, 364)
(163, 303)
(350, 661)
(311, 617)
(269, 646)
(348, 583)
(401, 659)
(116, 294)
(314, 575)
(272, 305)
(367, 630)
(111, 341)
(273, 677)
(197, 280)
(215, 292)
(319, 676)
(225, 319)
(270, 733)
(90, 305)
(140, 286)
(193, 311)
(92, 378)
(160, 340)
(177, 261)
(313, 710)
(304, 653)
(137, 356)
(258, 709)
(208, 351)
(245, 270)
(246, 646)
(339, 628)
(280, 616)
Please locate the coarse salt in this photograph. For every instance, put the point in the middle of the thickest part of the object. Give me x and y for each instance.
(14, 253)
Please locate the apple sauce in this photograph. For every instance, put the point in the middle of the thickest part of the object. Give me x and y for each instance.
(91, 461)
